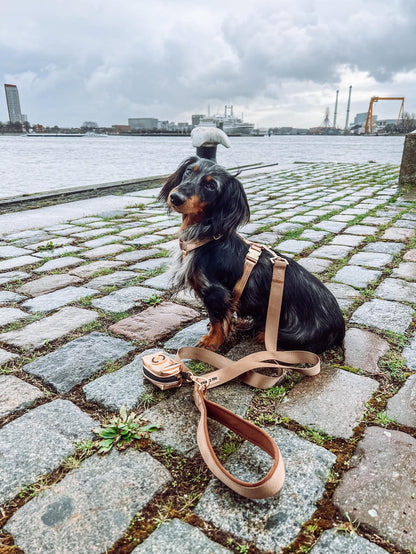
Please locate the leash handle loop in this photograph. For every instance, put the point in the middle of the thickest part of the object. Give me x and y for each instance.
(268, 485)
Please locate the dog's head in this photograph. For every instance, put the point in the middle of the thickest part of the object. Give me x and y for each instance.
(206, 194)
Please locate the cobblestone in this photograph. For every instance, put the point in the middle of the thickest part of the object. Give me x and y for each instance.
(92, 268)
(371, 259)
(405, 270)
(38, 441)
(13, 263)
(155, 323)
(77, 360)
(382, 469)
(331, 252)
(409, 354)
(50, 328)
(179, 418)
(178, 536)
(57, 299)
(383, 314)
(344, 294)
(356, 276)
(333, 402)
(10, 276)
(91, 507)
(6, 356)
(124, 387)
(49, 283)
(363, 350)
(402, 406)
(15, 394)
(9, 315)
(124, 299)
(7, 297)
(338, 542)
(59, 263)
(396, 289)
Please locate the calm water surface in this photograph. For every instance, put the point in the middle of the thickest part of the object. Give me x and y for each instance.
(29, 165)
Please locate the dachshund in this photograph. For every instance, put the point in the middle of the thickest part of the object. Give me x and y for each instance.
(213, 205)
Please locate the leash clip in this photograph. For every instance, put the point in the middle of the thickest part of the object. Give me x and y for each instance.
(200, 382)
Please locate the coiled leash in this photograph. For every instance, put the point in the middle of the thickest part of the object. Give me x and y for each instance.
(166, 373)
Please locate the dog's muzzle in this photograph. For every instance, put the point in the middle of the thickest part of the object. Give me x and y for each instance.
(176, 198)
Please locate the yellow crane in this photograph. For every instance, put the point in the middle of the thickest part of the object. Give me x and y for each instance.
(369, 120)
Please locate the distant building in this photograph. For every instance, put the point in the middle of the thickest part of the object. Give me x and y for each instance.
(196, 119)
(143, 123)
(360, 118)
(121, 128)
(358, 127)
(13, 103)
(164, 125)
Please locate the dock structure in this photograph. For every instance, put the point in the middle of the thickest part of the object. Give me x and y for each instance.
(86, 290)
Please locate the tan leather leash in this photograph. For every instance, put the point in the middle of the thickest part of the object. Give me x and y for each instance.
(167, 373)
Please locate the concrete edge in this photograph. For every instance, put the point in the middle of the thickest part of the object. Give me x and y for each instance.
(29, 201)
(51, 197)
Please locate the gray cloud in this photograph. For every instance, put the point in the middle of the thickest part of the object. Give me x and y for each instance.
(92, 59)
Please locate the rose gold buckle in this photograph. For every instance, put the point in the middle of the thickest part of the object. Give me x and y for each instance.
(254, 253)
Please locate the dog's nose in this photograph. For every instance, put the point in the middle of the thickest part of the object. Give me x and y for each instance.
(176, 198)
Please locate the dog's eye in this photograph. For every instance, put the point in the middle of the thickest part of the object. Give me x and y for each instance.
(210, 184)
(188, 171)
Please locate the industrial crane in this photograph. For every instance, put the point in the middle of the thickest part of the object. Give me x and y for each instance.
(369, 120)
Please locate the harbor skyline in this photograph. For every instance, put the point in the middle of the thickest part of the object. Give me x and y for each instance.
(280, 64)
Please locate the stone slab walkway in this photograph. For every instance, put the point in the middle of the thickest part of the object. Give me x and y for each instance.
(85, 295)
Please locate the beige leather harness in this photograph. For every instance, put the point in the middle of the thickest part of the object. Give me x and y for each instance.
(244, 369)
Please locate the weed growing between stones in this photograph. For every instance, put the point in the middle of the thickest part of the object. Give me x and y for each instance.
(108, 289)
(394, 365)
(48, 246)
(16, 325)
(122, 431)
(315, 436)
(154, 300)
(383, 419)
(84, 302)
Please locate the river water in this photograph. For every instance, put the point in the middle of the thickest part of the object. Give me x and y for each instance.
(39, 164)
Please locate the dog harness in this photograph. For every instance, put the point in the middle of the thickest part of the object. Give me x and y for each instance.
(166, 373)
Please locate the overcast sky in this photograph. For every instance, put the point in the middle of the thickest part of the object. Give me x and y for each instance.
(279, 62)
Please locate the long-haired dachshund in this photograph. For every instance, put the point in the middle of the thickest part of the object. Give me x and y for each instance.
(213, 205)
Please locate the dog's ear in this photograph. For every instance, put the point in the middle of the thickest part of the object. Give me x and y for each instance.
(174, 179)
(232, 210)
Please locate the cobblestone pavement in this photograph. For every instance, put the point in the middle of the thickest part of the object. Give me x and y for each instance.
(82, 299)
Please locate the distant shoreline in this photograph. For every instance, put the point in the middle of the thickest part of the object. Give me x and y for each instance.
(181, 135)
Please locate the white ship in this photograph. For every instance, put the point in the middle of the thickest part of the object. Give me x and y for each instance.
(231, 125)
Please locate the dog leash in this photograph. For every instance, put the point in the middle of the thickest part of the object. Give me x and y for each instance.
(166, 373)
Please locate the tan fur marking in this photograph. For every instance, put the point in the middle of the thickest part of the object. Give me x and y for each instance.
(192, 211)
(214, 339)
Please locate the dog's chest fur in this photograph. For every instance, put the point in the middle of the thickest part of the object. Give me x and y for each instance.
(185, 274)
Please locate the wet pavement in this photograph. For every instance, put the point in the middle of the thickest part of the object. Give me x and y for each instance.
(85, 290)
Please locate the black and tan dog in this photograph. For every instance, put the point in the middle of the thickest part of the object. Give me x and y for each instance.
(213, 205)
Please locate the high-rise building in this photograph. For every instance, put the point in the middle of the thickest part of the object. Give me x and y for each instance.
(140, 123)
(13, 103)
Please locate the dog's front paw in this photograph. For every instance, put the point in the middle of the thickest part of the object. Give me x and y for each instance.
(211, 341)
